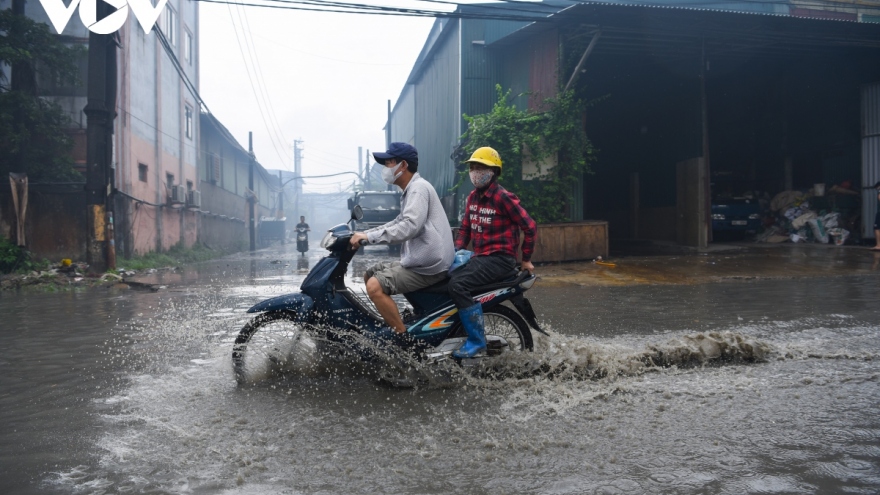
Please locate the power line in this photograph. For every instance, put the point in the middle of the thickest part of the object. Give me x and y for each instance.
(261, 80)
(250, 78)
(179, 69)
(378, 10)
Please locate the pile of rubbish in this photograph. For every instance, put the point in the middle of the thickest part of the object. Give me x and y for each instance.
(796, 221)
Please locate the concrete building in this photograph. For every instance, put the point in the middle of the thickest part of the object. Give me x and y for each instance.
(223, 184)
(156, 135)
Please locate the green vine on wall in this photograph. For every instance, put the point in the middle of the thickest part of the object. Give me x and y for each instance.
(536, 137)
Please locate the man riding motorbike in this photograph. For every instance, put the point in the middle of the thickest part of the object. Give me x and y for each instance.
(421, 227)
(302, 237)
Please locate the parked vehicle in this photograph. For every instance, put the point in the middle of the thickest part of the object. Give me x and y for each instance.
(379, 208)
(736, 214)
(327, 311)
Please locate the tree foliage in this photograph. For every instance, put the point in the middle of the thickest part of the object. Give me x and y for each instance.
(523, 135)
(32, 129)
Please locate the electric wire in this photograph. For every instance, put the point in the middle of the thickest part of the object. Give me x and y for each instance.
(251, 79)
(381, 11)
(179, 69)
(276, 132)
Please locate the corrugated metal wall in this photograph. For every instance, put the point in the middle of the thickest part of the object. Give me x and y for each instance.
(532, 67)
(544, 71)
(870, 154)
(403, 124)
(437, 104)
(482, 68)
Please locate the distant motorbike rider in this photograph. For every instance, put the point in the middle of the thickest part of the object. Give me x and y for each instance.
(302, 239)
(493, 219)
(421, 226)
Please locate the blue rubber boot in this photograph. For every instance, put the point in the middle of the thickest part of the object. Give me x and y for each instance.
(472, 321)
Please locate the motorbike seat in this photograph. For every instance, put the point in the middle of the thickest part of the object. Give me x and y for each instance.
(437, 295)
(442, 287)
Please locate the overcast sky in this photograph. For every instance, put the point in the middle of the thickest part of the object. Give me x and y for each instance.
(327, 77)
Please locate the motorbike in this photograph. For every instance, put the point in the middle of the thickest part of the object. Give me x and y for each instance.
(302, 240)
(326, 310)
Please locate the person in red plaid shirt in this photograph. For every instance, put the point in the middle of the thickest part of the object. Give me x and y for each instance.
(492, 221)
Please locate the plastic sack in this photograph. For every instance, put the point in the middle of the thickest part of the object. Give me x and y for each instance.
(819, 232)
(830, 220)
(839, 235)
(802, 220)
(462, 256)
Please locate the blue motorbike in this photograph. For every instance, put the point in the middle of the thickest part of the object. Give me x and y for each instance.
(288, 328)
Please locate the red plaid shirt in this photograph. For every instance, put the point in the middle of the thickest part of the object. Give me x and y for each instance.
(493, 221)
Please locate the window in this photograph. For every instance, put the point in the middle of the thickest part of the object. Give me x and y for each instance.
(189, 185)
(169, 180)
(188, 47)
(189, 122)
(142, 172)
(214, 167)
(169, 28)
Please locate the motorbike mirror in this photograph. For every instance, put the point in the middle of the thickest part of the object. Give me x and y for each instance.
(357, 213)
(350, 203)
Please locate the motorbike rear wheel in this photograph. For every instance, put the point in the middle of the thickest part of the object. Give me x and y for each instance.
(506, 323)
(270, 344)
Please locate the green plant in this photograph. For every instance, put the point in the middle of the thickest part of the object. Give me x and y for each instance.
(14, 258)
(555, 134)
(34, 130)
(176, 255)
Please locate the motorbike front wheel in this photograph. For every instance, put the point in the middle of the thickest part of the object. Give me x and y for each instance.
(506, 323)
(272, 344)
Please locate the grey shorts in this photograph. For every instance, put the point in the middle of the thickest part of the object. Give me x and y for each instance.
(395, 279)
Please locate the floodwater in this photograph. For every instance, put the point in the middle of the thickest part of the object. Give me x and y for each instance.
(725, 388)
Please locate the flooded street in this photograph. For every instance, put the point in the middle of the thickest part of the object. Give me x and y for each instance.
(741, 386)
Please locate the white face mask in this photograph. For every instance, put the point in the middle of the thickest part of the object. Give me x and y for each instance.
(389, 175)
(481, 178)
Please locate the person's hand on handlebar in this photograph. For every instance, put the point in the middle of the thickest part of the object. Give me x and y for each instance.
(528, 266)
(356, 240)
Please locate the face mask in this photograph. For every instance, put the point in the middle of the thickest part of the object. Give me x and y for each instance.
(481, 178)
(389, 175)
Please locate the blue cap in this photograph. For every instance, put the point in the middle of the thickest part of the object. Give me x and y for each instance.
(402, 151)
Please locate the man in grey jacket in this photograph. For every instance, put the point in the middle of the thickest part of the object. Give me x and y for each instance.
(421, 226)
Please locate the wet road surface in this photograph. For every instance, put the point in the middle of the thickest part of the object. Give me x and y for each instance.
(737, 386)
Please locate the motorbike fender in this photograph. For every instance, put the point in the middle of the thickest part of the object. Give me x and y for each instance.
(524, 306)
(296, 302)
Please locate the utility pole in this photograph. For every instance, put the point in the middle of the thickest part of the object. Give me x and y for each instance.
(361, 167)
(280, 214)
(369, 172)
(252, 197)
(297, 174)
(100, 112)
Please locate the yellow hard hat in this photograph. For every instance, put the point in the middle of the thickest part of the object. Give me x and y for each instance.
(487, 156)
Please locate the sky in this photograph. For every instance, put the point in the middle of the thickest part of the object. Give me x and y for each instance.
(323, 78)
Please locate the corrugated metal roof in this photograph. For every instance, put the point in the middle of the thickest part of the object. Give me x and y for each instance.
(850, 12)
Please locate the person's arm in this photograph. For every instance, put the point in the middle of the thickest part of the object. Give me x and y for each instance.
(530, 230)
(410, 221)
(464, 230)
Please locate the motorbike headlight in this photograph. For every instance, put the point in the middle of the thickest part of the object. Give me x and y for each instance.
(328, 240)
(718, 216)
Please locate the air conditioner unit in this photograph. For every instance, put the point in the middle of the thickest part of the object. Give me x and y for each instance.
(178, 194)
(194, 199)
